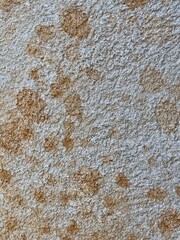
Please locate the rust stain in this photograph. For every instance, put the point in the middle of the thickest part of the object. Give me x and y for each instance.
(62, 85)
(68, 142)
(50, 143)
(132, 4)
(13, 133)
(73, 228)
(157, 194)
(122, 180)
(31, 105)
(73, 106)
(45, 33)
(151, 80)
(167, 116)
(75, 23)
(5, 176)
(89, 180)
(177, 189)
(169, 221)
(40, 196)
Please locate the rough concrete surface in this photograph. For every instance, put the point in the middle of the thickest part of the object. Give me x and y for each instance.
(89, 120)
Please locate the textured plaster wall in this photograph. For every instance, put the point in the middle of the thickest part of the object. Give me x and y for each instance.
(89, 120)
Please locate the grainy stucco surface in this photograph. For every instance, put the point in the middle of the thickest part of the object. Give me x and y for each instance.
(89, 120)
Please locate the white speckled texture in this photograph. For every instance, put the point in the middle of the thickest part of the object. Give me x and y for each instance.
(124, 74)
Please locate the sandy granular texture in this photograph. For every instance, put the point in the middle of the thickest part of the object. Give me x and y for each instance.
(89, 120)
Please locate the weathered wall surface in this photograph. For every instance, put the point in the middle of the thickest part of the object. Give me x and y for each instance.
(89, 120)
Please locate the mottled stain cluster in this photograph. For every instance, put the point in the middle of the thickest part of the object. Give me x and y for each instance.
(7, 5)
(5, 177)
(73, 106)
(45, 33)
(93, 74)
(151, 80)
(34, 51)
(34, 74)
(50, 143)
(167, 116)
(157, 194)
(169, 221)
(75, 23)
(13, 133)
(132, 4)
(122, 180)
(88, 180)
(61, 86)
(73, 228)
(31, 105)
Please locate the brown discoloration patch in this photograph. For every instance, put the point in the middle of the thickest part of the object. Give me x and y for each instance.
(71, 52)
(5, 176)
(132, 236)
(40, 196)
(169, 221)
(75, 23)
(11, 224)
(73, 228)
(132, 4)
(65, 198)
(51, 180)
(151, 80)
(13, 133)
(152, 161)
(34, 74)
(69, 126)
(45, 33)
(34, 51)
(73, 106)
(167, 116)
(31, 105)
(66, 238)
(46, 229)
(177, 189)
(157, 194)
(7, 5)
(89, 180)
(50, 143)
(156, 30)
(109, 202)
(122, 180)
(61, 85)
(68, 142)
(93, 73)
(175, 91)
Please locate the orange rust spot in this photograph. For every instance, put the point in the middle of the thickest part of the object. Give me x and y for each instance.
(122, 180)
(132, 4)
(66, 238)
(151, 80)
(73, 228)
(169, 221)
(5, 176)
(34, 74)
(45, 229)
(68, 142)
(31, 105)
(13, 133)
(73, 106)
(40, 196)
(89, 180)
(34, 51)
(65, 198)
(61, 85)
(69, 126)
(50, 143)
(132, 236)
(11, 224)
(109, 202)
(18, 200)
(167, 116)
(7, 5)
(75, 23)
(177, 189)
(45, 33)
(157, 194)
